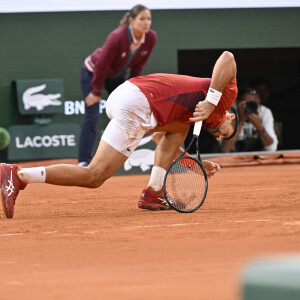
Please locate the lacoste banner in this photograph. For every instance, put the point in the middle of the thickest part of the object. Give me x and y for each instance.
(34, 142)
(40, 96)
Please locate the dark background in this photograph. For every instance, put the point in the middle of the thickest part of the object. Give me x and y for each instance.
(280, 67)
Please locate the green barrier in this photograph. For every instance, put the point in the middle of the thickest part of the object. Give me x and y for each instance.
(272, 279)
(35, 142)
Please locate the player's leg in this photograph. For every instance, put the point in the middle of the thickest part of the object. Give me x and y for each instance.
(109, 157)
(157, 136)
(166, 151)
(13, 179)
(105, 163)
(152, 197)
(167, 148)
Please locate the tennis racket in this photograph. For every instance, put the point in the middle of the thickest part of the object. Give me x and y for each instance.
(185, 183)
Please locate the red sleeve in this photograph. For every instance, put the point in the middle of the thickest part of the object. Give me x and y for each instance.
(138, 68)
(108, 53)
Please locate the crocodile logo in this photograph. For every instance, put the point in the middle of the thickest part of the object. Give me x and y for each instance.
(32, 98)
(143, 158)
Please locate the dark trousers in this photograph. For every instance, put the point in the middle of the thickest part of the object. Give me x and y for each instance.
(88, 132)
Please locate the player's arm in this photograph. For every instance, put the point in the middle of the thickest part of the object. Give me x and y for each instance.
(224, 71)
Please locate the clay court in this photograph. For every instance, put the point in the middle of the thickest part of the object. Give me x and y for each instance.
(75, 243)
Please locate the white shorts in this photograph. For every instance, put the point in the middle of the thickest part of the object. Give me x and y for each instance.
(131, 117)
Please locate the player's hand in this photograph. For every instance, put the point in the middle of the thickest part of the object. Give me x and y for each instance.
(91, 99)
(210, 167)
(202, 111)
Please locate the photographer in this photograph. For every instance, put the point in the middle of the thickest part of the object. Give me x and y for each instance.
(255, 131)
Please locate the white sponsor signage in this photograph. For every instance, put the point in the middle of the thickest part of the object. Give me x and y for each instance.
(77, 107)
(102, 5)
(142, 158)
(33, 97)
(32, 142)
(40, 96)
(46, 141)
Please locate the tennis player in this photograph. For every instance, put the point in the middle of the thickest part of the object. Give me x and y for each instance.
(155, 103)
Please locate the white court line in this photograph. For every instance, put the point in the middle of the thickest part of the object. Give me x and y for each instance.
(173, 225)
(190, 224)
(249, 190)
(245, 221)
(11, 234)
(158, 226)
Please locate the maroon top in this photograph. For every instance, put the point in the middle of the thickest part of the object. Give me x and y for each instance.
(109, 60)
(174, 97)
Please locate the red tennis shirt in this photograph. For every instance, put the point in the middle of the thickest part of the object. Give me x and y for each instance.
(174, 97)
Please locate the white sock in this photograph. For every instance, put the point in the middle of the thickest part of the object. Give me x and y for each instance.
(157, 178)
(33, 175)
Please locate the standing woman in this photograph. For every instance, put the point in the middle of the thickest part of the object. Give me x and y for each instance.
(127, 47)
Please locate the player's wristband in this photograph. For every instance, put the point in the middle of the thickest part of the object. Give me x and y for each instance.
(213, 96)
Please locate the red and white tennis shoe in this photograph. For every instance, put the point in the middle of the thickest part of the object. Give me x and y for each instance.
(11, 184)
(153, 201)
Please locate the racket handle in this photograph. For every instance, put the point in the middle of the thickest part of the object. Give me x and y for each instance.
(197, 128)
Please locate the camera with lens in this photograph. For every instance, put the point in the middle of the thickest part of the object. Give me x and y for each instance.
(251, 107)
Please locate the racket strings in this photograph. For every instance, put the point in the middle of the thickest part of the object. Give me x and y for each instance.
(186, 184)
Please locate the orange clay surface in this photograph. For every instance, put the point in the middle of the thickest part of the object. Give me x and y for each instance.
(76, 243)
